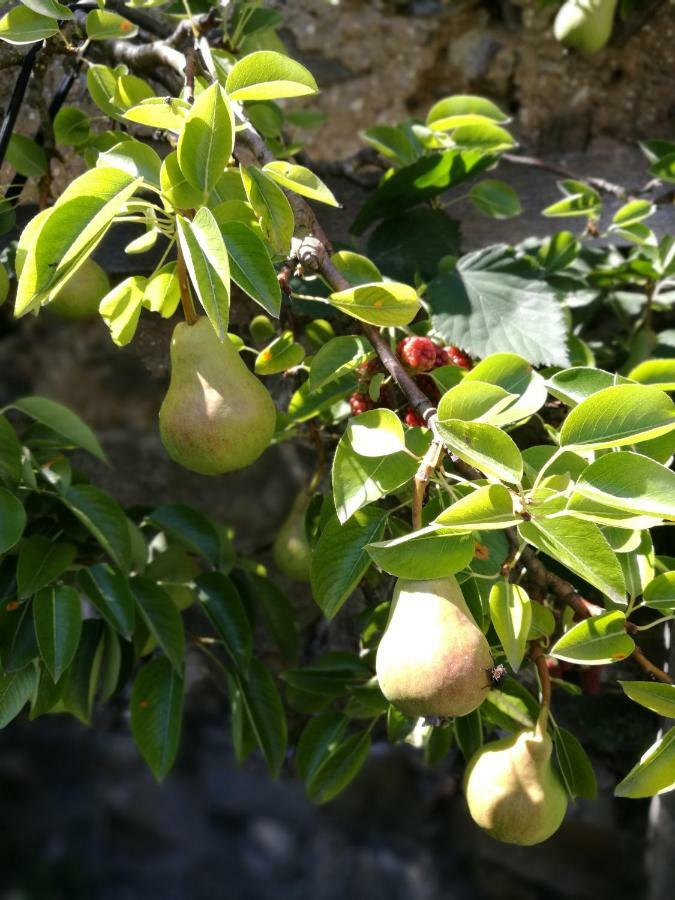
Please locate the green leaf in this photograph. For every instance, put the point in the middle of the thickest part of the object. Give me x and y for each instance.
(484, 307)
(305, 404)
(268, 75)
(424, 554)
(596, 641)
(109, 592)
(283, 353)
(654, 774)
(511, 615)
(130, 91)
(207, 139)
(660, 592)
(58, 626)
(463, 109)
(469, 733)
(378, 432)
(189, 527)
(265, 713)
(630, 482)
(357, 269)
(340, 769)
(300, 180)
(79, 683)
(221, 603)
(164, 113)
(516, 376)
(69, 233)
(632, 212)
(483, 136)
(101, 84)
(27, 157)
(162, 291)
(156, 714)
(17, 637)
(575, 765)
(162, 618)
(660, 698)
(360, 480)
(496, 199)
(489, 507)
(581, 547)
(484, 446)
(387, 303)
(135, 158)
(102, 25)
(251, 267)
(71, 126)
(616, 416)
(40, 563)
(51, 8)
(411, 185)
(62, 420)
(658, 373)
(104, 518)
(320, 737)
(473, 401)
(340, 558)
(580, 200)
(121, 307)
(16, 689)
(175, 187)
(278, 615)
(10, 454)
(576, 384)
(207, 262)
(336, 357)
(271, 207)
(12, 520)
(332, 675)
(23, 26)
(411, 246)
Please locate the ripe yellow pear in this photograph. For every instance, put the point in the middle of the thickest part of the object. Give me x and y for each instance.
(513, 791)
(216, 416)
(433, 660)
(585, 25)
(291, 550)
(80, 296)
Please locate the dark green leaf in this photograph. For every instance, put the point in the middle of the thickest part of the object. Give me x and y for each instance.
(109, 592)
(159, 613)
(58, 624)
(156, 714)
(220, 601)
(104, 518)
(40, 563)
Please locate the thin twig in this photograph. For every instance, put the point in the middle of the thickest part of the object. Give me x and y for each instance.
(601, 184)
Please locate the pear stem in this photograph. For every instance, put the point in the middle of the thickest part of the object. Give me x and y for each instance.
(539, 659)
(185, 296)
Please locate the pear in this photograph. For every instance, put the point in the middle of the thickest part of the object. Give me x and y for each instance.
(433, 660)
(585, 25)
(79, 297)
(216, 416)
(291, 550)
(512, 789)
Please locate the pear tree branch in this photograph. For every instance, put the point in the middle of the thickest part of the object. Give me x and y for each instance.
(314, 255)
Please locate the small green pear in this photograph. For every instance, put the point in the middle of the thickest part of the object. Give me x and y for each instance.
(291, 550)
(585, 25)
(80, 296)
(512, 789)
(433, 659)
(216, 416)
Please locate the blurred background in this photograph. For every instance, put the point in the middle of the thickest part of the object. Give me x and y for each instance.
(80, 816)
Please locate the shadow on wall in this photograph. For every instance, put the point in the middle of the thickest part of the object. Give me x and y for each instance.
(81, 818)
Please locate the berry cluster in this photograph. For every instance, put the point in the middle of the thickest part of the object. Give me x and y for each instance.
(419, 355)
